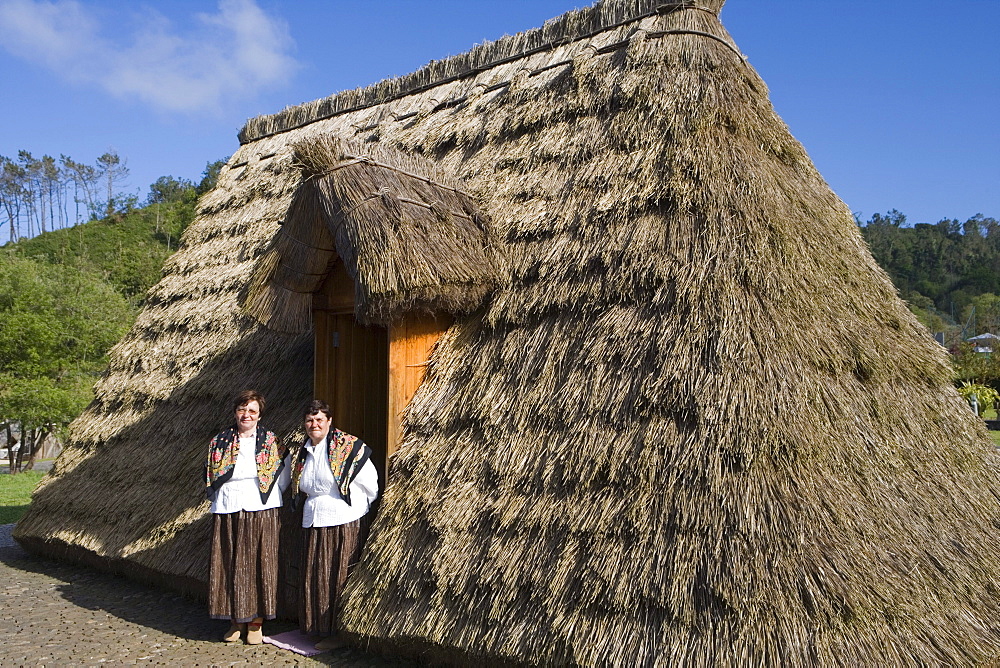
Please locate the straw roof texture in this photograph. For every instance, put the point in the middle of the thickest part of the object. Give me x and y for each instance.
(409, 235)
(127, 492)
(693, 423)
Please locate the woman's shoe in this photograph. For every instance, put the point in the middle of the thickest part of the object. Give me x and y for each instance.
(331, 642)
(254, 635)
(234, 632)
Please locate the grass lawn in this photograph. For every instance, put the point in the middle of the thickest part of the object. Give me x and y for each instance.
(15, 494)
(996, 437)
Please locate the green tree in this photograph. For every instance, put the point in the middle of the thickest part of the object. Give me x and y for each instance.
(949, 262)
(113, 171)
(170, 189)
(210, 176)
(983, 312)
(923, 307)
(12, 193)
(57, 322)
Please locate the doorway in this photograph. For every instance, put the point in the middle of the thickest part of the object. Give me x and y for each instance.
(351, 371)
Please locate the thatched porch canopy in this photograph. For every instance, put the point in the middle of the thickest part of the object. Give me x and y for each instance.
(409, 234)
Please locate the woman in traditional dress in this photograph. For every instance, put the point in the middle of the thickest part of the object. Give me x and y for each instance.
(334, 473)
(245, 476)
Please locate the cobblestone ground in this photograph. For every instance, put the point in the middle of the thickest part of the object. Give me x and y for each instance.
(56, 614)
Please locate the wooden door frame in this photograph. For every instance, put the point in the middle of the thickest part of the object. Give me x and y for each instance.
(409, 342)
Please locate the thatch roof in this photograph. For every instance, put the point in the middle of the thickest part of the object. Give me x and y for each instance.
(409, 235)
(693, 423)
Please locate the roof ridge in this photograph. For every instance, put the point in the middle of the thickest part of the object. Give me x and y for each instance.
(572, 26)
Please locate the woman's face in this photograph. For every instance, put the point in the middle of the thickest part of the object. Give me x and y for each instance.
(317, 426)
(247, 417)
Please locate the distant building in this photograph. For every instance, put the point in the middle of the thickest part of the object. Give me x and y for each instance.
(984, 343)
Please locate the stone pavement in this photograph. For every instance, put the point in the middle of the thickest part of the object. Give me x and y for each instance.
(57, 614)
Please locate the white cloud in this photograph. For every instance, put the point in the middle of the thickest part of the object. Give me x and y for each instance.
(231, 54)
(53, 34)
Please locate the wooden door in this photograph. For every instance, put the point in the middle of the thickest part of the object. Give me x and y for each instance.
(351, 370)
(368, 374)
(351, 375)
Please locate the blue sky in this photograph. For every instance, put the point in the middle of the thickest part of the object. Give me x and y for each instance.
(896, 102)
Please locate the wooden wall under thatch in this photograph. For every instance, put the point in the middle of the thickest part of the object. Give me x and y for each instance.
(671, 435)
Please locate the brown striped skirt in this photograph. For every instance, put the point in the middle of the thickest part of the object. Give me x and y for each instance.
(328, 553)
(243, 575)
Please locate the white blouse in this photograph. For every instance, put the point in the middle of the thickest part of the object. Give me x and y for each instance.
(324, 506)
(241, 491)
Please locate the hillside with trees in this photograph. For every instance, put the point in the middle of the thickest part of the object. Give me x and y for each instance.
(68, 293)
(44, 194)
(948, 272)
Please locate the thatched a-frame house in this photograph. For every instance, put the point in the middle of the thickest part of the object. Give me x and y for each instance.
(676, 414)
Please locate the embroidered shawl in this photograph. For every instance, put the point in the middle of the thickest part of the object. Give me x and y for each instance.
(225, 448)
(347, 455)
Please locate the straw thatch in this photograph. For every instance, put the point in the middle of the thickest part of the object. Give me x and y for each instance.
(127, 492)
(693, 424)
(408, 234)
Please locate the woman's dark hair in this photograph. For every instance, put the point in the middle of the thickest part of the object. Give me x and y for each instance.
(317, 406)
(246, 396)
